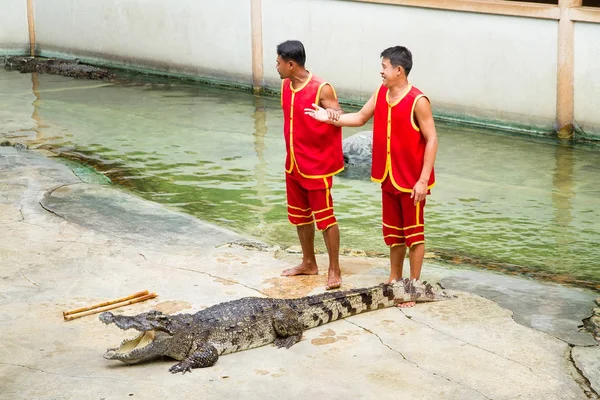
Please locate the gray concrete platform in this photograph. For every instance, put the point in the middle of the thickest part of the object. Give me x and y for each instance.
(65, 244)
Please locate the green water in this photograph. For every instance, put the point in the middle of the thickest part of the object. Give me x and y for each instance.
(526, 204)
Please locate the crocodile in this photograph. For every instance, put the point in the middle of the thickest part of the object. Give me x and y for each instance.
(197, 340)
(57, 66)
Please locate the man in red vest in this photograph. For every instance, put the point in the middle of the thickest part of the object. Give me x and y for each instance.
(404, 150)
(314, 155)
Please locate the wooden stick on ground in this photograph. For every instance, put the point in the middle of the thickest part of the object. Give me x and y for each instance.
(106, 303)
(110, 307)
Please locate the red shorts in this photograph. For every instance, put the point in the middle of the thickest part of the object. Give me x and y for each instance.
(403, 222)
(309, 200)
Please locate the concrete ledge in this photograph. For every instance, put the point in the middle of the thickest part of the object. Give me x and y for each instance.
(585, 14)
(499, 7)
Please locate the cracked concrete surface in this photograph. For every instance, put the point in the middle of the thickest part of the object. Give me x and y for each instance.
(99, 243)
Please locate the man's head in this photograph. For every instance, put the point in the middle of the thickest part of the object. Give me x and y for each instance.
(396, 63)
(290, 57)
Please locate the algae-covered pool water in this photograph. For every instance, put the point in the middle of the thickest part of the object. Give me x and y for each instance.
(508, 202)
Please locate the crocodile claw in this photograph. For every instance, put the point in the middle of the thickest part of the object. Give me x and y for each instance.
(182, 367)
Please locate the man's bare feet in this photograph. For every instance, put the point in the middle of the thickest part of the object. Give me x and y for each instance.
(393, 279)
(302, 269)
(334, 279)
(406, 304)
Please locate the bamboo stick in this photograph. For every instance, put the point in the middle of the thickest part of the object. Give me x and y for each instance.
(106, 303)
(110, 307)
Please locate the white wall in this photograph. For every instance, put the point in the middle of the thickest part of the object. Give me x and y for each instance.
(14, 34)
(587, 77)
(492, 68)
(206, 38)
(485, 66)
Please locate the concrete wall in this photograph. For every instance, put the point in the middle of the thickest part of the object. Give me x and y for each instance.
(206, 38)
(476, 65)
(587, 78)
(14, 35)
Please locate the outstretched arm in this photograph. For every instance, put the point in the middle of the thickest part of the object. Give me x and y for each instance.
(352, 119)
(424, 118)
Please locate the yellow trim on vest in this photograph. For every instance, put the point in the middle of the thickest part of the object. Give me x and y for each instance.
(388, 143)
(377, 95)
(293, 161)
(281, 97)
(375, 105)
(387, 96)
(412, 112)
(303, 85)
(318, 96)
(400, 188)
(291, 149)
(315, 176)
(298, 208)
(388, 160)
(319, 92)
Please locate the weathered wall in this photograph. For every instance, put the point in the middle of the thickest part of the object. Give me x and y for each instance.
(206, 38)
(587, 78)
(480, 67)
(14, 36)
(475, 65)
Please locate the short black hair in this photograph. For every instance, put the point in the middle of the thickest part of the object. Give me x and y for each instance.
(292, 50)
(399, 56)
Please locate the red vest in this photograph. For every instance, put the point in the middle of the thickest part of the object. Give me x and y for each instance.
(313, 147)
(398, 146)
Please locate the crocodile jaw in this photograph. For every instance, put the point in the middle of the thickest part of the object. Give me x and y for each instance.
(147, 345)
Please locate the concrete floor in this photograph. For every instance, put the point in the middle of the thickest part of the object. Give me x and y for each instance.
(66, 244)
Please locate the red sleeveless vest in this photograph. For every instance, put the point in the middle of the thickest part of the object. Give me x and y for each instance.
(313, 147)
(398, 146)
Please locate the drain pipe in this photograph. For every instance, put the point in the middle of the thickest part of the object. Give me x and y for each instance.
(31, 26)
(257, 45)
(565, 97)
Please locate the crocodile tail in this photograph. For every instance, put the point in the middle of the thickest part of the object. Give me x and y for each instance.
(326, 307)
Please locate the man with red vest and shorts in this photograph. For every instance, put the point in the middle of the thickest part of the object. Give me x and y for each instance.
(404, 150)
(314, 155)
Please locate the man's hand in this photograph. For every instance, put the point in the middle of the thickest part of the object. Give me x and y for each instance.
(419, 191)
(324, 115)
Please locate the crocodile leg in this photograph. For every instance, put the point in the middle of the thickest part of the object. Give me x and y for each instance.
(287, 324)
(204, 356)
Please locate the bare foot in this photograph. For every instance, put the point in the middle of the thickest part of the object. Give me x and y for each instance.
(393, 279)
(334, 279)
(302, 269)
(406, 304)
